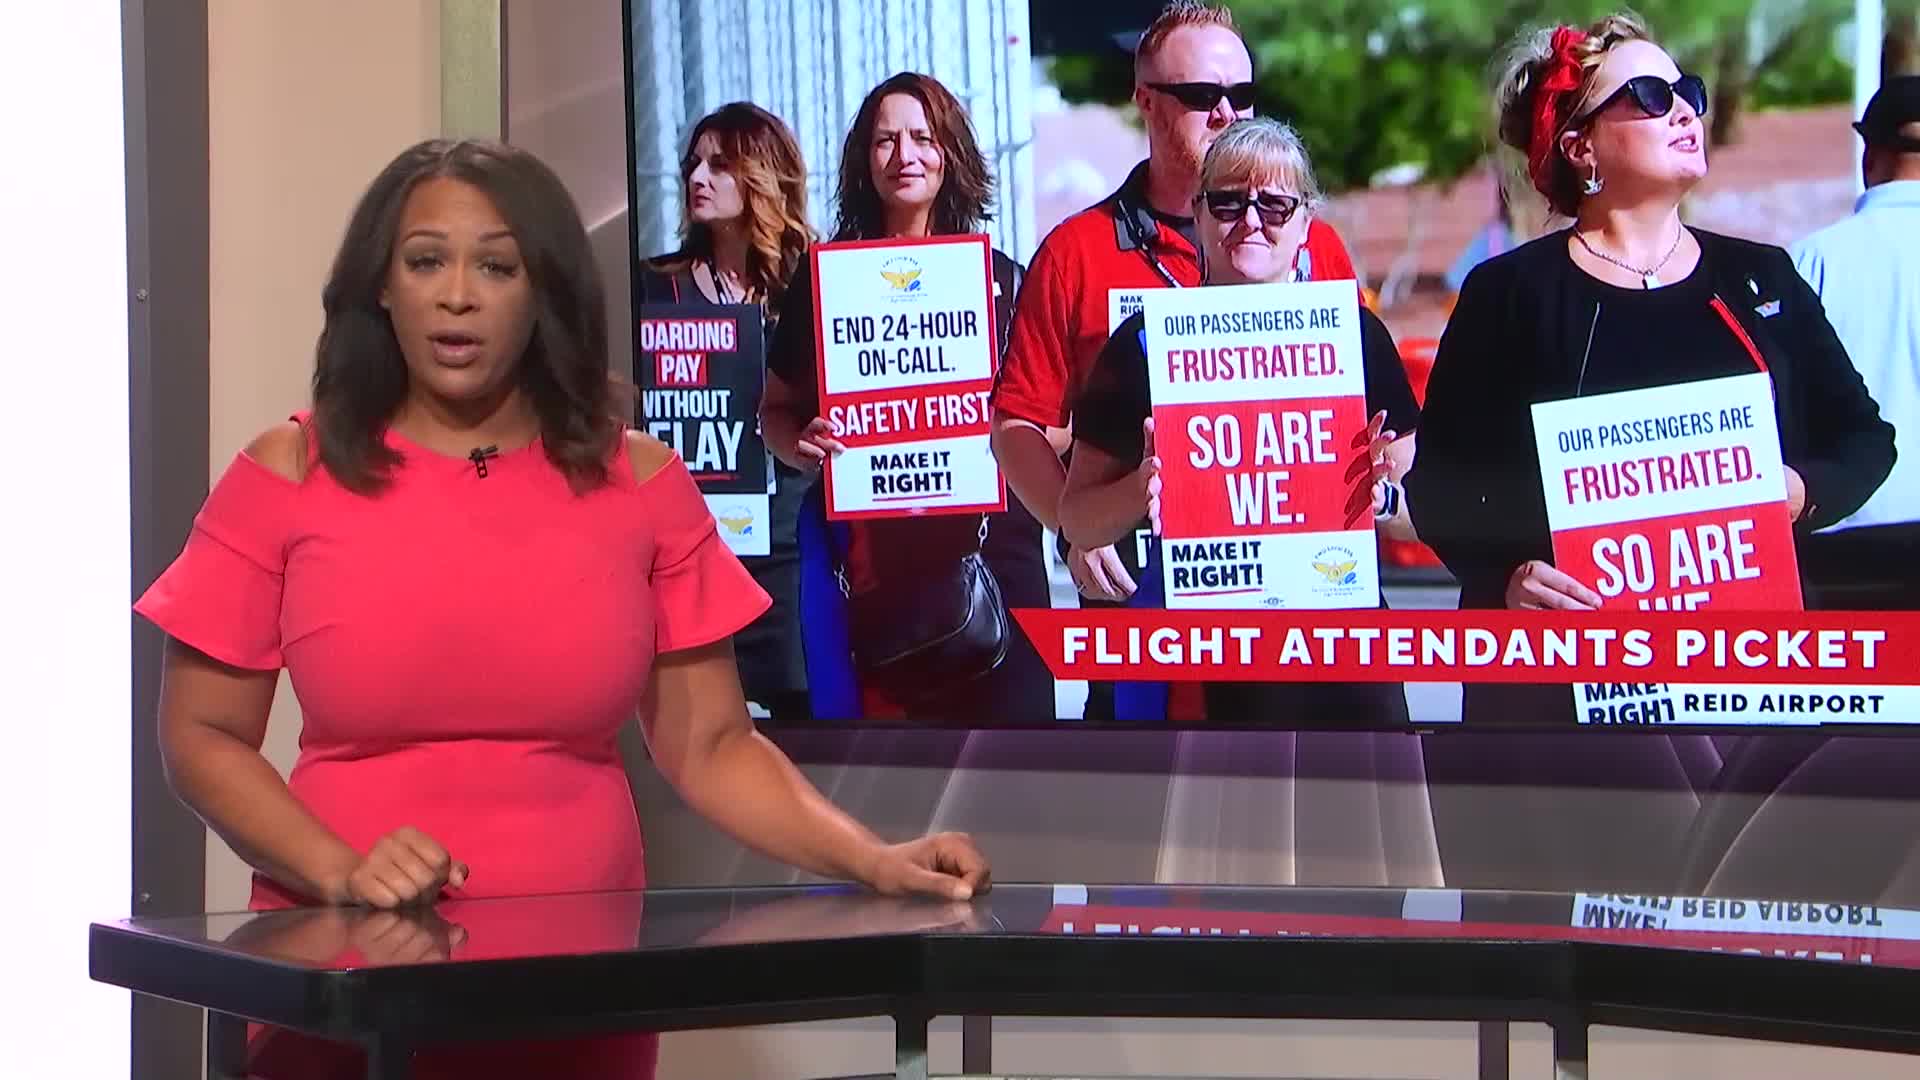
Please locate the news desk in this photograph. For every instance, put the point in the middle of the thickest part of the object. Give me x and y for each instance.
(1840, 975)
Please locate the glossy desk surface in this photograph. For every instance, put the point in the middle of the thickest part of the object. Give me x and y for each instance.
(1845, 974)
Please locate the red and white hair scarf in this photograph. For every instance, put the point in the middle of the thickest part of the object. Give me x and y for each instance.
(1551, 101)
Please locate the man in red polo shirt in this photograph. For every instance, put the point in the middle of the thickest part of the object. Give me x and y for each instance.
(1192, 77)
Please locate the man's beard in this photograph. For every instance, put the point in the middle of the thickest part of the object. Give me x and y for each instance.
(1186, 156)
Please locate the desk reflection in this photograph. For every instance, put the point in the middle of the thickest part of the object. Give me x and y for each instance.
(344, 938)
(336, 939)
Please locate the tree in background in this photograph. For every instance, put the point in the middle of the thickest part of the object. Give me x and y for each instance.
(1900, 52)
(1376, 85)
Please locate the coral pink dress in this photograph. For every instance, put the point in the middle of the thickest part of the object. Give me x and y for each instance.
(465, 650)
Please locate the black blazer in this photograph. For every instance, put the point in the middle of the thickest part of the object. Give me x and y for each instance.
(1517, 336)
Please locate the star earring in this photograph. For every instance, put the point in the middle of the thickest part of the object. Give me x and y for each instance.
(1593, 184)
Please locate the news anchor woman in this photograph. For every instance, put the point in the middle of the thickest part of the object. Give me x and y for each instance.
(744, 224)
(911, 167)
(1255, 202)
(475, 577)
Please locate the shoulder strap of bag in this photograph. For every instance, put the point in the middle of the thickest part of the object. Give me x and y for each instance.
(1008, 275)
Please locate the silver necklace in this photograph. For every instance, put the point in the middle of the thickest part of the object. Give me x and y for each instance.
(1650, 277)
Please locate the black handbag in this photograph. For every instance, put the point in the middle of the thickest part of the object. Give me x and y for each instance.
(918, 639)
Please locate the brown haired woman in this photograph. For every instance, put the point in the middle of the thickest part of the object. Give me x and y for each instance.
(744, 222)
(476, 577)
(910, 167)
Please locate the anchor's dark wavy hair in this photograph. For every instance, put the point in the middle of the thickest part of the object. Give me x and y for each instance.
(360, 376)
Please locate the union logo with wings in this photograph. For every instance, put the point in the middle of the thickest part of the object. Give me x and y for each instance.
(1340, 573)
(737, 519)
(1338, 566)
(902, 274)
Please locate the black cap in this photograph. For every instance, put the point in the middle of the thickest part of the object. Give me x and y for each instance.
(1895, 105)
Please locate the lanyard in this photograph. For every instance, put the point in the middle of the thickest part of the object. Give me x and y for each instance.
(1733, 324)
(1130, 218)
(1720, 308)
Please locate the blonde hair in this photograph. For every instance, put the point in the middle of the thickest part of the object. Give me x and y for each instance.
(1177, 15)
(1261, 148)
(1522, 67)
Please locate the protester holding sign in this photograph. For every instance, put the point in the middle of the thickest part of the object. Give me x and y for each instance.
(1626, 299)
(1257, 194)
(744, 222)
(1193, 76)
(906, 615)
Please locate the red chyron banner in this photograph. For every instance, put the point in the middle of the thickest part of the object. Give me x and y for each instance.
(1853, 649)
(1257, 467)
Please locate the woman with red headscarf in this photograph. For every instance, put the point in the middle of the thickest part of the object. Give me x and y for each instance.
(1626, 297)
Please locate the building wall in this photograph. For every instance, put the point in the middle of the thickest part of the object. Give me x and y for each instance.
(307, 102)
(811, 62)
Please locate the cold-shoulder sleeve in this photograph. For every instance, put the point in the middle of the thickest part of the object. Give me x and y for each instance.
(221, 595)
(701, 591)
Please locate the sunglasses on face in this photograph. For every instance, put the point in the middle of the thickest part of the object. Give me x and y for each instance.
(1654, 96)
(1205, 96)
(1231, 206)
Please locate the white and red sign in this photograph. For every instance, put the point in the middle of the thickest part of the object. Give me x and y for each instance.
(905, 347)
(1671, 498)
(1123, 304)
(1260, 413)
(1674, 499)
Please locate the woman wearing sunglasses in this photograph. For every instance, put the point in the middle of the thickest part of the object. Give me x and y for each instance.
(1626, 297)
(1257, 195)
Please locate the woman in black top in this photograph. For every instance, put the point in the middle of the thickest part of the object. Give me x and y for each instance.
(912, 167)
(1256, 193)
(744, 223)
(1626, 298)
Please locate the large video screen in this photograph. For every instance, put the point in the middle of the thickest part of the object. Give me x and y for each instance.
(1041, 384)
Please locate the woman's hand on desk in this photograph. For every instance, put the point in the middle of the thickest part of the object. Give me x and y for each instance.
(392, 938)
(946, 865)
(405, 867)
(330, 936)
(1538, 586)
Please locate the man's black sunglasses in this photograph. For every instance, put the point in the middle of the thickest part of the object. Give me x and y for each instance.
(1231, 206)
(1654, 95)
(1205, 96)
